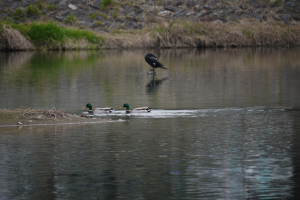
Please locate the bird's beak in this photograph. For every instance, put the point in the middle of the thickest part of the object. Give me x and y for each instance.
(122, 107)
(84, 107)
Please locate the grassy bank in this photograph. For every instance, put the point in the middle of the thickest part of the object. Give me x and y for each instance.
(50, 35)
(162, 34)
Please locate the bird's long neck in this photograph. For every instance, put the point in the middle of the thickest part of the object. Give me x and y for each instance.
(127, 107)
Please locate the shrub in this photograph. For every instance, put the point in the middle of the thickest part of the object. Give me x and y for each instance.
(40, 5)
(51, 7)
(93, 16)
(71, 19)
(32, 10)
(106, 3)
(115, 14)
(18, 13)
(99, 23)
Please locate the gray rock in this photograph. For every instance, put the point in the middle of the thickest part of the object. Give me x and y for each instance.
(209, 7)
(137, 26)
(256, 16)
(97, 2)
(167, 3)
(243, 7)
(190, 3)
(240, 13)
(181, 13)
(85, 19)
(65, 13)
(273, 5)
(112, 20)
(63, 3)
(15, 5)
(248, 16)
(255, 4)
(218, 13)
(296, 10)
(59, 18)
(52, 2)
(178, 3)
(150, 2)
(190, 13)
(234, 18)
(279, 11)
(131, 19)
(275, 18)
(264, 17)
(201, 13)
(229, 12)
(222, 19)
(25, 3)
(198, 8)
(141, 19)
(149, 13)
(233, 7)
(128, 25)
(127, 7)
(106, 24)
(230, 23)
(170, 8)
(264, 5)
(164, 13)
(83, 2)
(35, 18)
(291, 4)
(115, 26)
(212, 2)
(139, 12)
(259, 11)
(121, 19)
(296, 17)
(286, 17)
(94, 6)
(249, 11)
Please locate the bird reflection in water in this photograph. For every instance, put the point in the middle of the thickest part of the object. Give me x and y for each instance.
(154, 84)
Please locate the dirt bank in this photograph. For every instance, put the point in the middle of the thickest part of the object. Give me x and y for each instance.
(25, 117)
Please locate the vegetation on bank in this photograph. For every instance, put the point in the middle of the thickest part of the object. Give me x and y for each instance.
(164, 34)
(51, 35)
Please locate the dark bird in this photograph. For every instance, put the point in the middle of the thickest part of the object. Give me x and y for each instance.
(153, 62)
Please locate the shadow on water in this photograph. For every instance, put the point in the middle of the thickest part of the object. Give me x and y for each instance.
(154, 84)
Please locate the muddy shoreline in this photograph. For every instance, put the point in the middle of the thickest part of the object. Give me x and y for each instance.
(39, 117)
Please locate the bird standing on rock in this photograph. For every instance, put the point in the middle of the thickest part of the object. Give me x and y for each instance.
(153, 62)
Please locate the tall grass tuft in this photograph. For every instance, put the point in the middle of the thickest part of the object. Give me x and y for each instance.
(32, 11)
(106, 3)
(71, 19)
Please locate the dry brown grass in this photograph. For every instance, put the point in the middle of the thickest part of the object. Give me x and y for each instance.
(12, 39)
(182, 34)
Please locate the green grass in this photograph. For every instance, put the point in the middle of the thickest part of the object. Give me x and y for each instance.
(115, 14)
(106, 3)
(43, 33)
(99, 23)
(103, 15)
(40, 5)
(93, 16)
(71, 19)
(18, 13)
(32, 11)
(51, 7)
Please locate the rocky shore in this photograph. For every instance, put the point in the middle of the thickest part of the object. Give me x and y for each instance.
(112, 18)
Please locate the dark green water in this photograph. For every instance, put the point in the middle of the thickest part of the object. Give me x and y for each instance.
(225, 125)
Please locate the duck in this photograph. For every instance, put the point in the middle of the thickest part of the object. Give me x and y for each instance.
(152, 60)
(140, 110)
(98, 110)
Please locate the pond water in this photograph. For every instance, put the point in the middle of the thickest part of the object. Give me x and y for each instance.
(225, 125)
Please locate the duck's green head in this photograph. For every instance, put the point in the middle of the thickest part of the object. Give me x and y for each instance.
(126, 105)
(89, 106)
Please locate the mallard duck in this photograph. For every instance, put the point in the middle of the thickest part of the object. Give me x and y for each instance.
(153, 62)
(97, 110)
(141, 109)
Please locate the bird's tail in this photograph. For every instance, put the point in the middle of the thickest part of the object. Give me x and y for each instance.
(164, 67)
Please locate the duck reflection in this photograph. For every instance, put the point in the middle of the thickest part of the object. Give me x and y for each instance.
(154, 84)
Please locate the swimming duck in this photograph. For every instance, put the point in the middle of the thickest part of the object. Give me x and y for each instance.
(98, 110)
(141, 109)
(153, 62)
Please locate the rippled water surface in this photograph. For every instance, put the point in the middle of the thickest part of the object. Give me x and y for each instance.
(225, 125)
